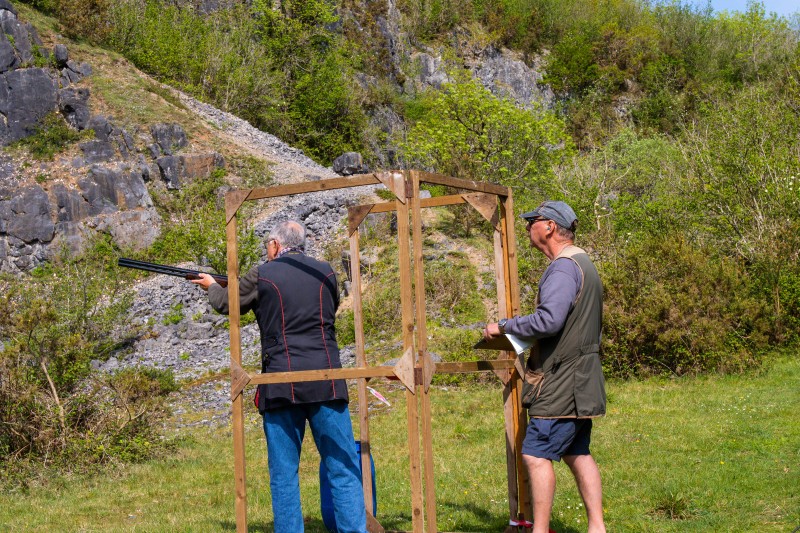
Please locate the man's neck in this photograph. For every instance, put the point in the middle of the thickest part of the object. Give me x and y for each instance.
(555, 248)
(286, 251)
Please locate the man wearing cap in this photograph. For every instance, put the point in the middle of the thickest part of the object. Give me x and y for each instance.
(563, 387)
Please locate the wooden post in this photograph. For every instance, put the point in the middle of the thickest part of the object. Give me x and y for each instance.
(515, 393)
(237, 414)
(361, 361)
(407, 307)
(422, 348)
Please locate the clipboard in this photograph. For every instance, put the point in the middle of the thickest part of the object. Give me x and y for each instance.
(507, 342)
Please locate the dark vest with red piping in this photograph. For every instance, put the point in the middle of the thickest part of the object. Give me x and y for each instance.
(298, 297)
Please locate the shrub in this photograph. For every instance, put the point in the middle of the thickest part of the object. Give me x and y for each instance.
(283, 69)
(55, 322)
(470, 133)
(672, 305)
(451, 291)
(196, 229)
(88, 19)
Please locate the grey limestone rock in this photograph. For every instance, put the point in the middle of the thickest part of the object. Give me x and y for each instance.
(70, 204)
(73, 104)
(108, 190)
(26, 96)
(350, 163)
(22, 36)
(132, 228)
(169, 137)
(101, 126)
(169, 166)
(61, 55)
(8, 57)
(6, 5)
(30, 219)
(74, 72)
(194, 166)
(97, 151)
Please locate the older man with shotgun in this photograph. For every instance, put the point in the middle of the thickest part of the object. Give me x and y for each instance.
(563, 387)
(295, 298)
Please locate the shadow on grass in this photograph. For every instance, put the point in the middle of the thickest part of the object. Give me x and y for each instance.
(314, 525)
(481, 521)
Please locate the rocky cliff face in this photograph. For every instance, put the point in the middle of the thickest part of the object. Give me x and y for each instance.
(45, 206)
(415, 66)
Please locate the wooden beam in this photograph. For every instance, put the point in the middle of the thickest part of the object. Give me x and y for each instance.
(407, 320)
(300, 376)
(462, 367)
(402, 371)
(422, 349)
(361, 360)
(437, 201)
(373, 526)
(469, 185)
(356, 180)
(525, 509)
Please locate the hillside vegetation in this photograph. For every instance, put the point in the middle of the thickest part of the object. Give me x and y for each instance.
(676, 136)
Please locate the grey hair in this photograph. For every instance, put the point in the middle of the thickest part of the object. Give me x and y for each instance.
(290, 234)
(566, 233)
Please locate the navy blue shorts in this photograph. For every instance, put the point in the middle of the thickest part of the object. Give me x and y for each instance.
(553, 438)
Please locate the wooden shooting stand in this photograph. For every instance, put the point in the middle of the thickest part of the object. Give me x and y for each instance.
(415, 368)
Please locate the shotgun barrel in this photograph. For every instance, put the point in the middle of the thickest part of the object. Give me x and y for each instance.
(169, 270)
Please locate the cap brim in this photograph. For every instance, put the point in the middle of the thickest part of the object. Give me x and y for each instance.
(530, 214)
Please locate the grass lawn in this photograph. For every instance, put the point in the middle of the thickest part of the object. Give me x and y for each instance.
(692, 454)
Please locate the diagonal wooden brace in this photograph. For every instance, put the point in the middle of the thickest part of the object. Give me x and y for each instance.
(356, 215)
(428, 370)
(395, 182)
(486, 205)
(239, 379)
(404, 370)
(373, 526)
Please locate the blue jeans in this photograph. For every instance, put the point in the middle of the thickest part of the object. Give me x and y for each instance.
(333, 435)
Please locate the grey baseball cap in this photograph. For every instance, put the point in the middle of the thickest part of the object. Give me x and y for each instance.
(557, 211)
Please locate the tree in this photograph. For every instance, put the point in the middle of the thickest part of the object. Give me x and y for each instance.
(470, 133)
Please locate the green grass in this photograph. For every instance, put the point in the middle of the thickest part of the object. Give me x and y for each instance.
(692, 454)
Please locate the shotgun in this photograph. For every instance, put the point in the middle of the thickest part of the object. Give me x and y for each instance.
(169, 270)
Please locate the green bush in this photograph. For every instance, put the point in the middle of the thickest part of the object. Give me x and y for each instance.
(280, 69)
(88, 19)
(472, 134)
(55, 322)
(345, 328)
(451, 291)
(672, 305)
(196, 228)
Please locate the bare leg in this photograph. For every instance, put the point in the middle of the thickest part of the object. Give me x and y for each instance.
(587, 477)
(543, 488)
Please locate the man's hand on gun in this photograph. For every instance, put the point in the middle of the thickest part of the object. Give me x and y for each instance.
(204, 280)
